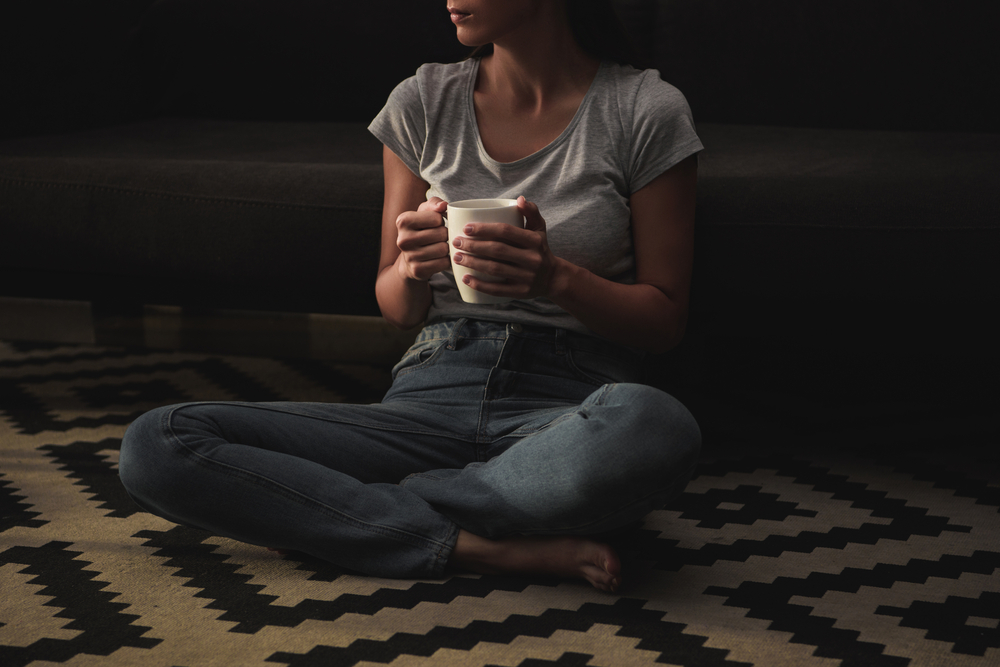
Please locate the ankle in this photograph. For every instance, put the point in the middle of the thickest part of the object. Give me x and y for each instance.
(477, 554)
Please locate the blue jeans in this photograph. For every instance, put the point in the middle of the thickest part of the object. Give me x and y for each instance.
(498, 429)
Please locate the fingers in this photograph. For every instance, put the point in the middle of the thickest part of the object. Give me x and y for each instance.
(423, 252)
(514, 254)
(422, 235)
(497, 252)
(499, 241)
(514, 290)
(422, 240)
(533, 222)
(533, 219)
(420, 219)
(420, 260)
(517, 269)
(435, 204)
(416, 251)
(523, 272)
(519, 257)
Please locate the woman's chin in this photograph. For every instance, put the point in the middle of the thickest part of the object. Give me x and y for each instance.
(469, 36)
(470, 40)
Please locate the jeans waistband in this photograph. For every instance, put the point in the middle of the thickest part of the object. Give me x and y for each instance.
(469, 329)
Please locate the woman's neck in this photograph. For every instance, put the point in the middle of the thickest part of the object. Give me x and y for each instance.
(537, 64)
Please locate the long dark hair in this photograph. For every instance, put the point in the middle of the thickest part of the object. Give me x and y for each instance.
(597, 30)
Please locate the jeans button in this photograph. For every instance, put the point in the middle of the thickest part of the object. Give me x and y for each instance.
(516, 328)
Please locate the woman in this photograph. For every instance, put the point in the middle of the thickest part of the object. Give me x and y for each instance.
(512, 434)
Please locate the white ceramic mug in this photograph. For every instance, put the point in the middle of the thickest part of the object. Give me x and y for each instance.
(459, 214)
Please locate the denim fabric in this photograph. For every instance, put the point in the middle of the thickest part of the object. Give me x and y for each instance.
(495, 428)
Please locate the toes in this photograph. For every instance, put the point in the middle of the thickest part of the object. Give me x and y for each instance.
(600, 579)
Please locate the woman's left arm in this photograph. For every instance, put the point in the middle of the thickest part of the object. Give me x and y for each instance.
(650, 314)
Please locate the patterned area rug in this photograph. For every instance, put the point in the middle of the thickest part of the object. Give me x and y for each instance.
(874, 548)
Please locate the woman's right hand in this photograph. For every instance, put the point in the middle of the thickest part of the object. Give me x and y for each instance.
(422, 240)
(414, 245)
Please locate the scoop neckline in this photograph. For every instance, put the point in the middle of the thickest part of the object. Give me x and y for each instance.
(548, 148)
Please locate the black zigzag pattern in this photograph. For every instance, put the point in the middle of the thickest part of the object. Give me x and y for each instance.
(44, 354)
(128, 393)
(743, 505)
(972, 625)
(31, 416)
(647, 625)
(103, 627)
(961, 484)
(773, 602)
(569, 659)
(250, 610)
(14, 512)
(905, 519)
(98, 476)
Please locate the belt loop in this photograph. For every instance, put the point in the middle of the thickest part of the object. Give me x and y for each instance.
(562, 344)
(456, 333)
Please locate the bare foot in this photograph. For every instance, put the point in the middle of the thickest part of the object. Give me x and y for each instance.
(567, 557)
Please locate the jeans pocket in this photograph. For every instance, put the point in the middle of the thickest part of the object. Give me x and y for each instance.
(420, 355)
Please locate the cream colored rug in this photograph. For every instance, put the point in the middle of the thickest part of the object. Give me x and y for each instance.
(867, 548)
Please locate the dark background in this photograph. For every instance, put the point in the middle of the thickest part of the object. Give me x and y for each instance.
(863, 64)
(876, 308)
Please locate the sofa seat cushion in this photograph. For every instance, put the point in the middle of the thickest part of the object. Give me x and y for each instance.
(841, 277)
(286, 216)
(796, 212)
(281, 216)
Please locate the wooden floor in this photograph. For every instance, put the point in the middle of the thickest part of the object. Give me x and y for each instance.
(288, 335)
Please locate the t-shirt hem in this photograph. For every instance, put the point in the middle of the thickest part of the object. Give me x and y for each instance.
(389, 140)
(665, 163)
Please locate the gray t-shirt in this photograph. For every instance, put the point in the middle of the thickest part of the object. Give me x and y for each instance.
(629, 129)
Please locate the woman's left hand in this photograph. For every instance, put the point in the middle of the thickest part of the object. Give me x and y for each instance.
(520, 256)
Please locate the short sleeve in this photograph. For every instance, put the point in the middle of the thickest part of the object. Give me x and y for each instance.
(662, 133)
(401, 125)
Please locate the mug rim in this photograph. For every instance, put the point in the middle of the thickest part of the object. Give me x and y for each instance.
(480, 204)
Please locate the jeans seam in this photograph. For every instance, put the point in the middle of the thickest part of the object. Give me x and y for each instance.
(605, 390)
(522, 434)
(291, 494)
(445, 549)
(352, 422)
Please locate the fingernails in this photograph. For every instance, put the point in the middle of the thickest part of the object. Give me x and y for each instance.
(457, 242)
(469, 230)
(459, 258)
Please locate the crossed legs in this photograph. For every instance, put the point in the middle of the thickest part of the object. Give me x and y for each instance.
(324, 479)
(624, 452)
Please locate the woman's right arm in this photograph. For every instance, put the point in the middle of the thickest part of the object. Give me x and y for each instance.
(414, 245)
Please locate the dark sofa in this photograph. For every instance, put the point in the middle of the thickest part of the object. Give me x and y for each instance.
(213, 154)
